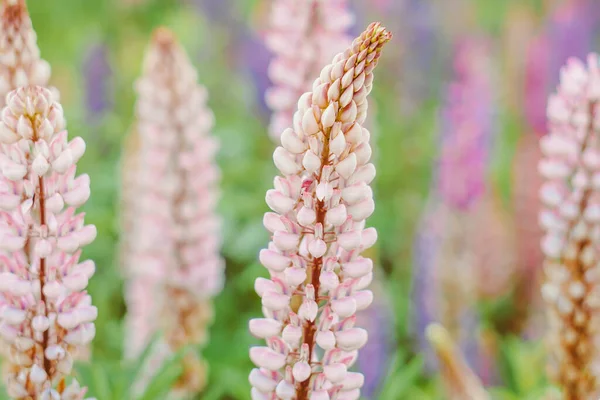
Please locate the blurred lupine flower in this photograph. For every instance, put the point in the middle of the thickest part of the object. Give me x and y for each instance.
(20, 62)
(304, 36)
(468, 127)
(46, 313)
(493, 247)
(567, 32)
(374, 358)
(97, 73)
(460, 381)
(570, 218)
(175, 234)
(449, 277)
(445, 285)
(318, 279)
(421, 38)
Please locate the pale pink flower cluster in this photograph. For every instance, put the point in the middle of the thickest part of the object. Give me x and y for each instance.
(571, 220)
(45, 312)
(304, 36)
(318, 278)
(176, 232)
(20, 62)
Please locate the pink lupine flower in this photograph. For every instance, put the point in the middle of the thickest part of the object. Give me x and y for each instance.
(571, 220)
(453, 270)
(175, 237)
(304, 36)
(46, 314)
(20, 62)
(468, 127)
(318, 279)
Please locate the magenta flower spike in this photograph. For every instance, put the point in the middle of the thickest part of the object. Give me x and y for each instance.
(304, 36)
(468, 127)
(20, 62)
(318, 278)
(571, 220)
(175, 267)
(45, 312)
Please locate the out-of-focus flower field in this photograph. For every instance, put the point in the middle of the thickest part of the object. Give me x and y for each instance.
(477, 270)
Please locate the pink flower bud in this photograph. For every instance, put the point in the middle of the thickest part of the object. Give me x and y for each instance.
(275, 301)
(337, 215)
(264, 357)
(55, 352)
(344, 307)
(13, 316)
(63, 162)
(301, 371)
(351, 339)
(264, 328)
(40, 165)
(358, 268)
(335, 372)
(347, 166)
(292, 335)
(274, 261)
(295, 276)
(14, 171)
(40, 323)
(261, 381)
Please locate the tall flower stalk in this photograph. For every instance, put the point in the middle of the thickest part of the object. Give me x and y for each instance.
(318, 278)
(46, 314)
(20, 62)
(304, 36)
(175, 233)
(570, 218)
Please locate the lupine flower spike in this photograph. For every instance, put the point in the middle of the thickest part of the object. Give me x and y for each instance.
(20, 62)
(304, 36)
(46, 313)
(176, 230)
(460, 381)
(318, 278)
(571, 220)
(450, 273)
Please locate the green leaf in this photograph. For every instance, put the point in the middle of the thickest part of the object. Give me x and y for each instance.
(167, 375)
(400, 379)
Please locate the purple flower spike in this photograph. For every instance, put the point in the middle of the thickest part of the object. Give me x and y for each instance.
(97, 73)
(467, 119)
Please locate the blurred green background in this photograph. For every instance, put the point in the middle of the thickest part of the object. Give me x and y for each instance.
(96, 48)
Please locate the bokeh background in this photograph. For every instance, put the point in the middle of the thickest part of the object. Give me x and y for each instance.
(96, 48)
